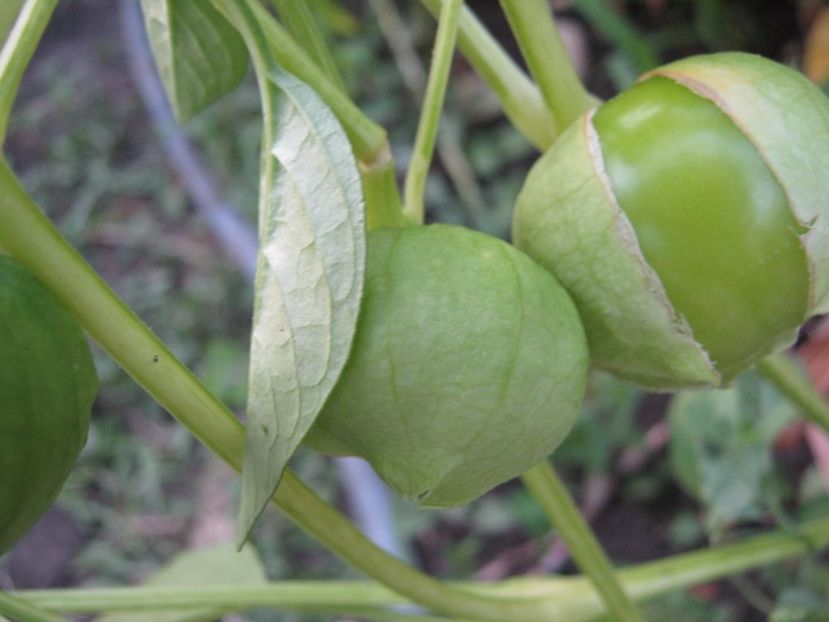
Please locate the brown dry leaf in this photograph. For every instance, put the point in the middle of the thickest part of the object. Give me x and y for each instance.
(816, 54)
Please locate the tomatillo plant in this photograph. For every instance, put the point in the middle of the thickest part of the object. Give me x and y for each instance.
(689, 218)
(681, 227)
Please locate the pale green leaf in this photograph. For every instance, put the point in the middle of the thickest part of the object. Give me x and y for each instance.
(721, 447)
(308, 285)
(199, 55)
(218, 564)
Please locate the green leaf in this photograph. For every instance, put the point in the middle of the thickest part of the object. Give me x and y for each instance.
(799, 604)
(721, 447)
(199, 55)
(218, 564)
(308, 285)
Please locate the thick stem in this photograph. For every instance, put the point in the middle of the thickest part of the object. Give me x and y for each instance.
(571, 598)
(781, 371)
(519, 97)
(427, 128)
(17, 51)
(30, 238)
(551, 493)
(24, 611)
(547, 58)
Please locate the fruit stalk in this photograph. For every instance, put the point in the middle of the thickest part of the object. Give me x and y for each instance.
(551, 493)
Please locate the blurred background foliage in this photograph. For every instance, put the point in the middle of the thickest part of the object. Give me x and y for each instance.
(653, 475)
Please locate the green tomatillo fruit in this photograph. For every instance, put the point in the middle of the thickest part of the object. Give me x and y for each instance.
(468, 366)
(47, 386)
(687, 217)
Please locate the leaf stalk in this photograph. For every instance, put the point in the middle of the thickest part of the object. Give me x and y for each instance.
(427, 128)
(368, 139)
(519, 97)
(17, 52)
(534, 28)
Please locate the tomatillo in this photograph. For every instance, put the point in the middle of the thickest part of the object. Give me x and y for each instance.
(687, 217)
(468, 367)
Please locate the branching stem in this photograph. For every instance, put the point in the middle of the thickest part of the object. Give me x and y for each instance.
(573, 599)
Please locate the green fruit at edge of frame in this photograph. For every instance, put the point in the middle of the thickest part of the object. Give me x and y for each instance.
(468, 367)
(688, 218)
(47, 386)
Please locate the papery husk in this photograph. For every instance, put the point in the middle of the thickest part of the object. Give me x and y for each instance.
(567, 219)
(469, 366)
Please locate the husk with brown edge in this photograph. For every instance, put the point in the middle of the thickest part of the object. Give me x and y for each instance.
(779, 110)
(568, 220)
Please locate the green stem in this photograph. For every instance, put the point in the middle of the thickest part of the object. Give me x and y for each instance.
(30, 238)
(549, 63)
(519, 97)
(298, 595)
(570, 598)
(383, 208)
(544, 484)
(238, 13)
(369, 140)
(780, 370)
(427, 128)
(22, 611)
(659, 577)
(17, 51)
(302, 25)
(401, 45)
(340, 536)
